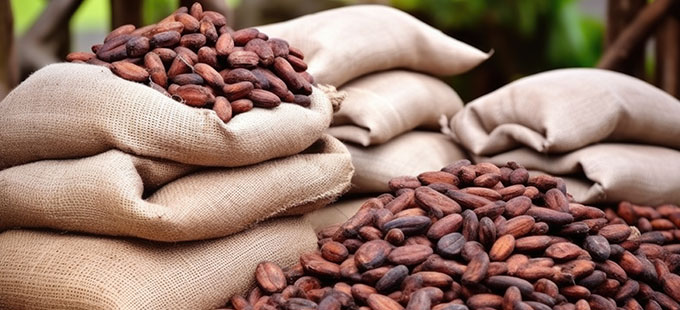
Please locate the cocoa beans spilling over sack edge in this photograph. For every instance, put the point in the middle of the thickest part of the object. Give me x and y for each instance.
(482, 237)
(194, 57)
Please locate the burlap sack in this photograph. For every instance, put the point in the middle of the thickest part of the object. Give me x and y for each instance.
(564, 110)
(335, 213)
(383, 105)
(572, 123)
(345, 43)
(409, 154)
(45, 270)
(609, 172)
(68, 111)
(118, 194)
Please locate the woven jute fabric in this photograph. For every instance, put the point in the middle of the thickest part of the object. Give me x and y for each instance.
(47, 270)
(610, 136)
(66, 111)
(383, 105)
(119, 194)
(564, 110)
(409, 154)
(345, 43)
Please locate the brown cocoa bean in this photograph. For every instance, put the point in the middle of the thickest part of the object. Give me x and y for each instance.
(392, 278)
(316, 265)
(517, 226)
(382, 302)
(409, 224)
(476, 269)
(193, 41)
(270, 277)
(597, 246)
(243, 36)
(502, 248)
(237, 91)
(154, 65)
(263, 50)
(409, 255)
(430, 177)
(437, 203)
(181, 64)
(550, 216)
(286, 72)
(194, 95)
(130, 71)
(372, 254)
(451, 244)
(187, 78)
(279, 47)
(222, 108)
(165, 39)
(615, 233)
(243, 59)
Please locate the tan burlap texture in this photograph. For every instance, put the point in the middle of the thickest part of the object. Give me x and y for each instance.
(383, 105)
(105, 193)
(66, 111)
(409, 154)
(46, 270)
(345, 43)
(564, 110)
(612, 137)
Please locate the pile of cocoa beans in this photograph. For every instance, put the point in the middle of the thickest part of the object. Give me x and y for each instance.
(482, 237)
(194, 57)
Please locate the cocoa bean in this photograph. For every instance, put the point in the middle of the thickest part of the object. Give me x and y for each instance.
(270, 277)
(129, 71)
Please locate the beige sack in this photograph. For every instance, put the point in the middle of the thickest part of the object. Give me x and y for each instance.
(383, 105)
(409, 154)
(45, 270)
(74, 110)
(118, 194)
(335, 213)
(642, 174)
(564, 110)
(345, 43)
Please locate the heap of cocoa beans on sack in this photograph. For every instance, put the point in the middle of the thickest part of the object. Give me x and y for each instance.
(482, 237)
(194, 57)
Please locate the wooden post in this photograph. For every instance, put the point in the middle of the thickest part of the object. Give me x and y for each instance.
(8, 66)
(668, 54)
(47, 41)
(635, 34)
(126, 12)
(620, 13)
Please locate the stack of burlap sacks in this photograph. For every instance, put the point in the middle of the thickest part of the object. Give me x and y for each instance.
(113, 196)
(390, 120)
(101, 161)
(610, 136)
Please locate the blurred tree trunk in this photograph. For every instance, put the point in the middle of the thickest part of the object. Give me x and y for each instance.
(620, 13)
(668, 54)
(48, 39)
(634, 36)
(125, 12)
(8, 67)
